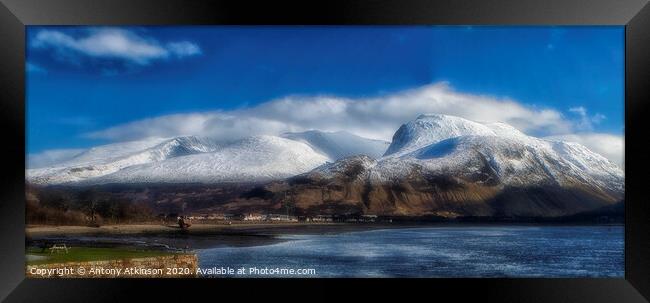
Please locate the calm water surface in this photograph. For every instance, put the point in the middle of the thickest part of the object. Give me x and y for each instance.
(482, 251)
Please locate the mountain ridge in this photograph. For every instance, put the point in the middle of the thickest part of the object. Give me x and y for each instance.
(107, 162)
(436, 165)
(464, 170)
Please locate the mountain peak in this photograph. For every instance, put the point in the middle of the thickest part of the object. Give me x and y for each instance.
(436, 116)
(107, 159)
(428, 129)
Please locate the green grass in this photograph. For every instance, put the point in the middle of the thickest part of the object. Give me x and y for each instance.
(78, 254)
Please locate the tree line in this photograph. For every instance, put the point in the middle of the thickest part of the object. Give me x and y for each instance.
(90, 206)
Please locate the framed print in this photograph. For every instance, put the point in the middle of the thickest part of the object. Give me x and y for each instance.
(492, 145)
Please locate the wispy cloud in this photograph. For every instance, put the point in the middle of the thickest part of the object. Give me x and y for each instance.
(33, 68)
(114, 43)
(50, 157)
(183, 48)
(585, 121)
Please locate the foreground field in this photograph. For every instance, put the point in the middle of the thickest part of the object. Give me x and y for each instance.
(81, 254)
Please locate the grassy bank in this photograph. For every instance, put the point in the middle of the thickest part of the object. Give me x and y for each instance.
(83, 254)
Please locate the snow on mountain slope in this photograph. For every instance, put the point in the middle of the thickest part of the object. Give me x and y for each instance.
(338, 145)
(50, 157)
(258, 158)
(107, 159)
(496, 153)
(444, 145)
(505, 130)
(107, 153)
(467, 170)
(510, 162)
(358, 163)
(467, 175)
(433, 128)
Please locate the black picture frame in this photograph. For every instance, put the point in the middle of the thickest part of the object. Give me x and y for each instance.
(633, 14)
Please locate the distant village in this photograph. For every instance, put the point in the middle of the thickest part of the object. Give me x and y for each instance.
(259, 217)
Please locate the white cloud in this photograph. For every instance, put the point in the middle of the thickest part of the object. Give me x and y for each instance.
(376, 118)
(609, 146)
(369, 117)
(184, 48)
(50, 157)
(597, 118)
(586, 122)
(114, 43)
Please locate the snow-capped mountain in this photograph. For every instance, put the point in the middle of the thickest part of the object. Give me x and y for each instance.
(443, 144)
(432, 128)
(107, 159)
(259, 158)
(453, 146)
(451, 166)
(436, 165)
(431, 145)
(194, 159)
(338, 145)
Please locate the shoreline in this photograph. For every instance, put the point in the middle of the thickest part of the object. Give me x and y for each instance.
(199, 236)
(257, 229)
(36, 231)
(203, 236)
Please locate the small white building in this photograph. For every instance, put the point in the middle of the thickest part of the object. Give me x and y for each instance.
(282, 218)
(322, 218)
(219, 217)
(197, 217)
(254, 217)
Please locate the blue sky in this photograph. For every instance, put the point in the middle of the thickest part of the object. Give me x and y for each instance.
(89, 86)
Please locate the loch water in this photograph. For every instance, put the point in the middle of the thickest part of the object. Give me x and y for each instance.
(457, 251)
